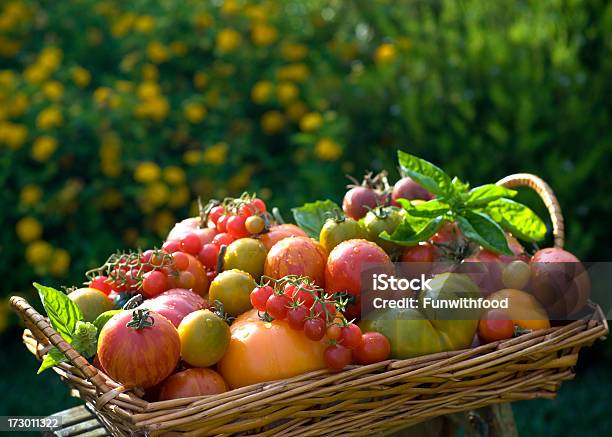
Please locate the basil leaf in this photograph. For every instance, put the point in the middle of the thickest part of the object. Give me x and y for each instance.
(411, 232)
(432, 208)
(518, 219)
(53, 357)
(460, 187)
(103, 318)
(431, 177)
(484, 194)
(62, 312)
(311, 216)
(481, 229)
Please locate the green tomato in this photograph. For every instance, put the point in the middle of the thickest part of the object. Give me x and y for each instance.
(336, 231)
(233, 289)
(246, 254)
(381, 219)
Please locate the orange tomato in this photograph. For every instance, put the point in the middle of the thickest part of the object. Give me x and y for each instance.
(192, 382)
(524, 309)
(297, 256)
(278, 232)
(266, 351)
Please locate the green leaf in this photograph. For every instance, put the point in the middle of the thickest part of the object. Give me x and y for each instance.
(62, 312)
(412, 231)
(484, 194)
(481, 229)
(459, 186)
(517, 218)
(311, 216)
(103, 318)
(431, 177)
(53, 357)
(431, 209)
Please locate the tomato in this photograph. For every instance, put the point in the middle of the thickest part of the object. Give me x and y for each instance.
(358, 201)
(204, 338)
(337, 357)
(277, 306)
(236, 226)
(259, 296)
(196, 279)
(382, 219)
(223, 239)
(233, 289)
(171, 246)
(416, 332)
(422, 253)
(191, 244)
(254, 224)
(516, 274)
(175, 304)
(315, 328)
(139, 356)
(222, 223)
(279, 232)
(215, 213)
(407, 188)
(559, 281)
(335, 231)
(345, 266)
(324, 311)
(259, 205)
(350, 336)
(209, 255)
(333, 332)
(191, 383)
(495, 325)
(300, 256)
(247, 254)
(374, 347)
(101, 283)
(296, 316)
(91, 302)
(180, 261)
(302, 294)
(266, 351)
(524, 309)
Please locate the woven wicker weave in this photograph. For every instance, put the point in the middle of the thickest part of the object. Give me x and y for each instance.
(360, 401)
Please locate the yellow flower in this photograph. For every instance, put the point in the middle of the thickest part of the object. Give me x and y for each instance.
(240, 180)
(60, 262)
(272, 122)
(148, 90)
(8, 47)
(327, 149)
(296, 110)
(122, 25)
(263, 34)
(294, 72)
(230, 7)
(157, 193)
(53, 90)
(7, 78)
(157, 52)
(256, 13)
(203, 21)
(28, 229)
(36, 73)
(194, 112)
(216, 154)
(101, 95)
(50, 58)
(180, 197)
(384, 53)
(192, 157)
(150, 72)
(158, 108)
(112, 169)
(261, 91)
(19, 105)
(30, 194)
(12, 134)
(163, 222)
(38, 252)
(144, 24)
(228, 40)
(146, 172)
(124, 86)
(294, 52)
(179, 48)
(200, 79)
(311, 122)
(49, 118)
(174, 175)
(111, 199)
(43, 148)
(287, 92)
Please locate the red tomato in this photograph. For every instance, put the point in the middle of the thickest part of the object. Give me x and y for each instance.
(374, 347)
(314, 328)
(139, 356)
(222, 223)
(277, 306)
(101, 283)
(259, 296)
(191, 383)
(180, 279)
(223, 239)
(345, 266)
(209, 255)
(300, 294)
(337, 357)
(171, 246)
(215, 213)
(296, 316)
(278, 232)
(175, 304)
(358, 201)
(154, 283)
(495, 325)
(236, 226)
(300, 256)
(180, 261)
(424, 253)
(333, 332)
(191, 244)
(350, 336)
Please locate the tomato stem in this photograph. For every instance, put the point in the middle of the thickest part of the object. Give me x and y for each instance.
(141, 318)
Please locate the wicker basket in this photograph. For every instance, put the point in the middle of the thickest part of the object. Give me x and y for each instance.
(360, 401)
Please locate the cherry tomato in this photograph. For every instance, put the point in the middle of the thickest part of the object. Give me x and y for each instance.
(222, 223)
(350, 336)
(236, 226)
(333, 332)
(154, 282)
(208, 255)
(185, 279)
(319, 311)
(300, 294)
(145, 258)
(101, 283)
(180, 261)
(495, 325)
(259, 205)
(223, 239)
(374, 347)
(314, 328)
(215, 213)
(424, 253)
(254, 224)
(337, 357)
(191, 244)
(259, 297)
(246, 210)
(171, 246)
(296, 316)
(277, 306)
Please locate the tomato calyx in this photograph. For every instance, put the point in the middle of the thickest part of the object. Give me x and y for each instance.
(219, 310)
(133, 302)
(264, 316)
(520, 331)
(141, 318)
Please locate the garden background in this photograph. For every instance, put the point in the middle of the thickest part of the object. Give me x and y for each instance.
(115, 116)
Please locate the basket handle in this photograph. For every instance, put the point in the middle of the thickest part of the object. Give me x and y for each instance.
(29, 314)
(548, 197)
